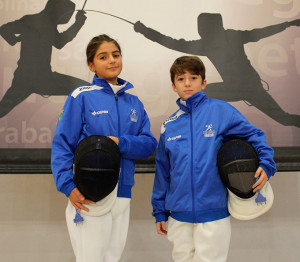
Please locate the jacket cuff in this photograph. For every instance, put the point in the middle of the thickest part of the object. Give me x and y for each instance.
(69, 189)
(161, 217)
(123, 146)
(267, 170)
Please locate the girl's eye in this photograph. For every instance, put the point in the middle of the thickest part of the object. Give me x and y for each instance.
(116, 56)
(102, 57)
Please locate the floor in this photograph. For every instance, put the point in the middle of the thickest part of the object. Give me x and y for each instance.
(33, 228)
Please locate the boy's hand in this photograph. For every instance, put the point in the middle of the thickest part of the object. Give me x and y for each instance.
(161, 228)
(263, 178)
(77, 199)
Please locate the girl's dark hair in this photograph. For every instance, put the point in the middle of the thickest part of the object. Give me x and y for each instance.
(192, 64)
(94, 44)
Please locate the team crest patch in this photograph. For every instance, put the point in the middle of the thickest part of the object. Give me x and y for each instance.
(133, 116)
(209, 132)
(60, 115)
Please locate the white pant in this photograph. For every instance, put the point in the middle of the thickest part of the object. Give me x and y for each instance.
(100, 238)
(201, 242)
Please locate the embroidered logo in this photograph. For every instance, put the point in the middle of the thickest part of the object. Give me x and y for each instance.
(133, 116)
(60, 115)
(209, 132)
(173, 138)
(100, 112)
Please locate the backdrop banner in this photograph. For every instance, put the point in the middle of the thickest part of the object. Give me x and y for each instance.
(251, 50)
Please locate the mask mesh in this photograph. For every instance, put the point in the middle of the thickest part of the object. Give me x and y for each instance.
(237, 164)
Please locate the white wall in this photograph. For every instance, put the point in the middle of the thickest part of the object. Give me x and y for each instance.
(33, 228)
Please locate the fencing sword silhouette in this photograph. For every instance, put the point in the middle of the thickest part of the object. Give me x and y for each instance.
(84, 4)
(101, 12)
(96, 11)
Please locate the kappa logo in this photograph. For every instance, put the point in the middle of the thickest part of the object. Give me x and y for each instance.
(81, 89)
(170, 119)
(133, 116)
(173, 138)
(100, 112)
(209, 132)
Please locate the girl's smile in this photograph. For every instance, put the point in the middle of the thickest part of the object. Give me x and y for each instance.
(107, 62)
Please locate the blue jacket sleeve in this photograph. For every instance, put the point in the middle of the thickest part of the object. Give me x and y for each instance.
(64, 144)
(240, 127)
(161, 183)
(140, 146)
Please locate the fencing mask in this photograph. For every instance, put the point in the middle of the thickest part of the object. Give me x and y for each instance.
(96, 167)
(237, 163)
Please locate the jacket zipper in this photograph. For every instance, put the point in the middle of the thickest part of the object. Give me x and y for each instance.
(118, 111)
(192, 167)
(119, 132)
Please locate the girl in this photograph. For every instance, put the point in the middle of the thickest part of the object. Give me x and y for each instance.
(102, 108)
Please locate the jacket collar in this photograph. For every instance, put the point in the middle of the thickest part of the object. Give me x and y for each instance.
(107, 88)
(192, 102)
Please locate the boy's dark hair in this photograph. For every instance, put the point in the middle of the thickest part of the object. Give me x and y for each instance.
(94, 44)
(193, 64)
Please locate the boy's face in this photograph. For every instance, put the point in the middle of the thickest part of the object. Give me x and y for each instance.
(188, 84)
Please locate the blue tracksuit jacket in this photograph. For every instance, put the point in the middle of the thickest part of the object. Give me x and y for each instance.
(187, 184)
(96, 110)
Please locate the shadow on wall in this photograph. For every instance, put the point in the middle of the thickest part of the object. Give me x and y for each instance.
(37, 34)
(225, 49)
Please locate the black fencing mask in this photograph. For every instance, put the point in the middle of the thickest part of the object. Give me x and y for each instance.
(96, 167)
(237, 163)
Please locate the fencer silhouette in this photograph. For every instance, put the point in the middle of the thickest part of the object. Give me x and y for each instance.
(37, 33)
(225, 49)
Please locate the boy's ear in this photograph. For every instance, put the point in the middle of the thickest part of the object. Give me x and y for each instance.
(174, 88)
(203, 86)
(91, 66)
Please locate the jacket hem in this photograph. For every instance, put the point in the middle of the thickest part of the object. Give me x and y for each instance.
(200, 216)
(125, 191)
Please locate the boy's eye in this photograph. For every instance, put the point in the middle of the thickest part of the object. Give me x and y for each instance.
(180, 79)
(195, 77)
(116, 56)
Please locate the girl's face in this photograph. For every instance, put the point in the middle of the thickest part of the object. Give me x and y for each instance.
(107, 62)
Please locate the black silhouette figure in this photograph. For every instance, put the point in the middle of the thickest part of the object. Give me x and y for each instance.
(225, 49)
(37, 34)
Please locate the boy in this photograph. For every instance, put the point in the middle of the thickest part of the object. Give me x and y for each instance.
(187, 185)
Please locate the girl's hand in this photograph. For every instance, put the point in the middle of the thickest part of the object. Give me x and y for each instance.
(115, 139)
(263, 178)
(77, 199)
(161, 228)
